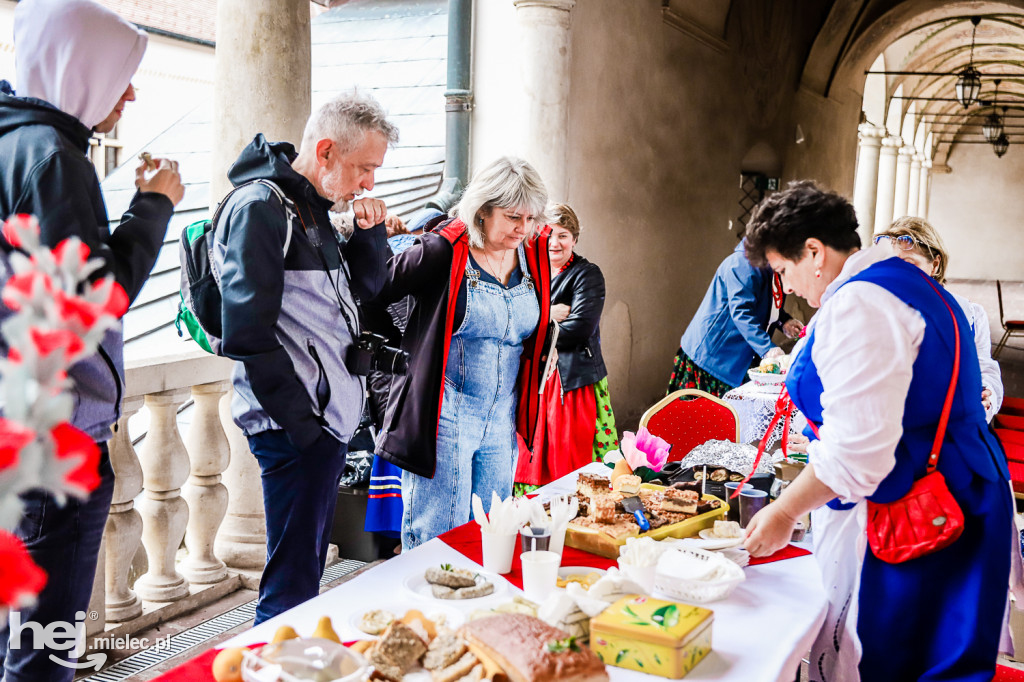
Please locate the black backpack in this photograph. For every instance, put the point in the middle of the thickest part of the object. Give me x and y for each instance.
(200, 306)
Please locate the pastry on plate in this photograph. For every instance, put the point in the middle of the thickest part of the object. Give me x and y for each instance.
(530, 650)
(398, 649)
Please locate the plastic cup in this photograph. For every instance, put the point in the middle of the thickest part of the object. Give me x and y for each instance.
(751, 501)
(535, 539)
(540, 574)
(498, 549)
(734, 507)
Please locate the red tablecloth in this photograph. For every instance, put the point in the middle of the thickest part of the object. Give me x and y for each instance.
(466, 540)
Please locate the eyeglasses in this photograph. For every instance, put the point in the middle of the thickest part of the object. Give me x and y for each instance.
(903, 242)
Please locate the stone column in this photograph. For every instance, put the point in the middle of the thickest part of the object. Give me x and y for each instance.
(242, 540)
(123, 531)
(886, 182)
(865, 190)
(545, 58)
(902, 194)
(925, 189)
(261, 78)
(165, 469)
(915, 185)
(206, 496)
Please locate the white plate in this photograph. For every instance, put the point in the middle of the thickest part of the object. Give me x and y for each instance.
(453, 618)
(766, 378)
(710, 541)
(418, 585)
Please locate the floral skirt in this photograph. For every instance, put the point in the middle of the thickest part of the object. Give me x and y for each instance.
(685, 374)
(574, 429)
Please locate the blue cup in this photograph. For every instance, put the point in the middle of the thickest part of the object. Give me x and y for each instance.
(751, 501)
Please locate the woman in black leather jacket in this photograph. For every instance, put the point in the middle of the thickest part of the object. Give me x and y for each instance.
(576, 423)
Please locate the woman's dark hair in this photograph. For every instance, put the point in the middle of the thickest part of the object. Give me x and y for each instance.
(784, 221)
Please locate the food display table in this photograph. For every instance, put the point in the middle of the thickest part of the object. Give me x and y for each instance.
(755, 406)
(760, 632)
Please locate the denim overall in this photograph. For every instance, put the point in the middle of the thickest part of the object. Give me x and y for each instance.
(937, 617)
(476, 435)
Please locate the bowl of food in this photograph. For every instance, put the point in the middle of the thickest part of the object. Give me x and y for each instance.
(296, 660)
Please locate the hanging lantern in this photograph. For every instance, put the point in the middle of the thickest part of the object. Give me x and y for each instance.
(968, 81)
(992, 128)
(968, 85)
(1001, 144)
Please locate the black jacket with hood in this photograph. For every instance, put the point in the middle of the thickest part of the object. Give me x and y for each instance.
(45, 172)
(284, 313)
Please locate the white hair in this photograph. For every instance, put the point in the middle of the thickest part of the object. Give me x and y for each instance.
(346, 119)
(508, 182)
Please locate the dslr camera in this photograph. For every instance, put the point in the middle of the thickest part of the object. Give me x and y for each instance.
(371, 352)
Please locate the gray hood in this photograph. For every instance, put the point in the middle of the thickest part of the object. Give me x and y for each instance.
(85, 71)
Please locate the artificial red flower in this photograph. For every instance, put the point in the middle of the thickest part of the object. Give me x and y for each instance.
(74, 309)
(13, 437)
(21, 220)
(22, 285)
(83, 250)
(71, 442)
(47, 341)
(20, 578)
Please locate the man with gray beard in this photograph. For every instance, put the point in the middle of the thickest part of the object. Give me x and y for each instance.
(289, 314)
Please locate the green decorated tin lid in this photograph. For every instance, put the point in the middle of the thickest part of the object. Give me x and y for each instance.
(647, 619)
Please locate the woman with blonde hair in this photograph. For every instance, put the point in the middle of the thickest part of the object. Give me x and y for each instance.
(917, 242)
(477, 342)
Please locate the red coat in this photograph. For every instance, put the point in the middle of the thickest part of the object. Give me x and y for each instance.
(431, 271)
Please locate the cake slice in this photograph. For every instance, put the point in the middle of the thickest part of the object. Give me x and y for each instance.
(680, 501)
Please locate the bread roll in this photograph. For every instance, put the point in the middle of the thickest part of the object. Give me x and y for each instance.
(519, 644)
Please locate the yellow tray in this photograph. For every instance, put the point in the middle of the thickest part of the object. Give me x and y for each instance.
(596, 542)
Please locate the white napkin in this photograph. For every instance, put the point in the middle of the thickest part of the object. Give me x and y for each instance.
(641, 551)
(505, 517)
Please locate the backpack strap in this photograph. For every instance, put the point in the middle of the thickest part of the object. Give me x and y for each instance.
(288, 204)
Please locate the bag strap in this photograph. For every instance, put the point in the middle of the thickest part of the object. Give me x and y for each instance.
(947, 406)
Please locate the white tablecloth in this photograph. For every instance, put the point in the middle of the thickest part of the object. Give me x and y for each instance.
(760, 632)
(755, 406)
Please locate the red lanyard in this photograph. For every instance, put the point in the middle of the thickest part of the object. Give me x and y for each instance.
(784, 411)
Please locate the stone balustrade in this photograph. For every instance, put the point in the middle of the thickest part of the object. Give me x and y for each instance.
(185, 526)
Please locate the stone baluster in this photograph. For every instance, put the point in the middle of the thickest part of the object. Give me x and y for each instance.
(915, 185)
(123, 531)
(902, 193)
(165, 469)
(865, 190)
(922, 197)
(242, 540)
(206, 496)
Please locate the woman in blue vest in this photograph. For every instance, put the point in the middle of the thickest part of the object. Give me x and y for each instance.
(871, 374)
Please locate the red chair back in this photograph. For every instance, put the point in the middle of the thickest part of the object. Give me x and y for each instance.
(1012, 406)
(685, 424)
(1010, 421)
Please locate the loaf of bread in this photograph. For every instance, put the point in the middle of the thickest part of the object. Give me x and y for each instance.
(530, 650)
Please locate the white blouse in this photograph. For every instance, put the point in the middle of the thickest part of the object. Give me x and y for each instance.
(991, 377)
(866, 342)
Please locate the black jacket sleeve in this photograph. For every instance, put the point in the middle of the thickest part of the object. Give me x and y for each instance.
(585, 309)
(252, 283)
(421, 266)
(61, 192)
(366, 253)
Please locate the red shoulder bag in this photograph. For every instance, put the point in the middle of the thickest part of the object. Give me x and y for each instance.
(927, 518)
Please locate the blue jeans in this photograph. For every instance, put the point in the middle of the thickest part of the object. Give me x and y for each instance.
(300, 490)
(476, 431)
(65, 542)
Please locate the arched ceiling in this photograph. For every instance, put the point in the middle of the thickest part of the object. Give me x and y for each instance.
(925, 59)
(926, 37)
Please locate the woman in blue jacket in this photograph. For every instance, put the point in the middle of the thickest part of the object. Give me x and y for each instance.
(730, 328)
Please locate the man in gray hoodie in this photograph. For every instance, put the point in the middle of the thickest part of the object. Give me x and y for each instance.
(75, 62)
(290, 317)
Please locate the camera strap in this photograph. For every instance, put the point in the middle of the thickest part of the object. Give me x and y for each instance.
(314, 239)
